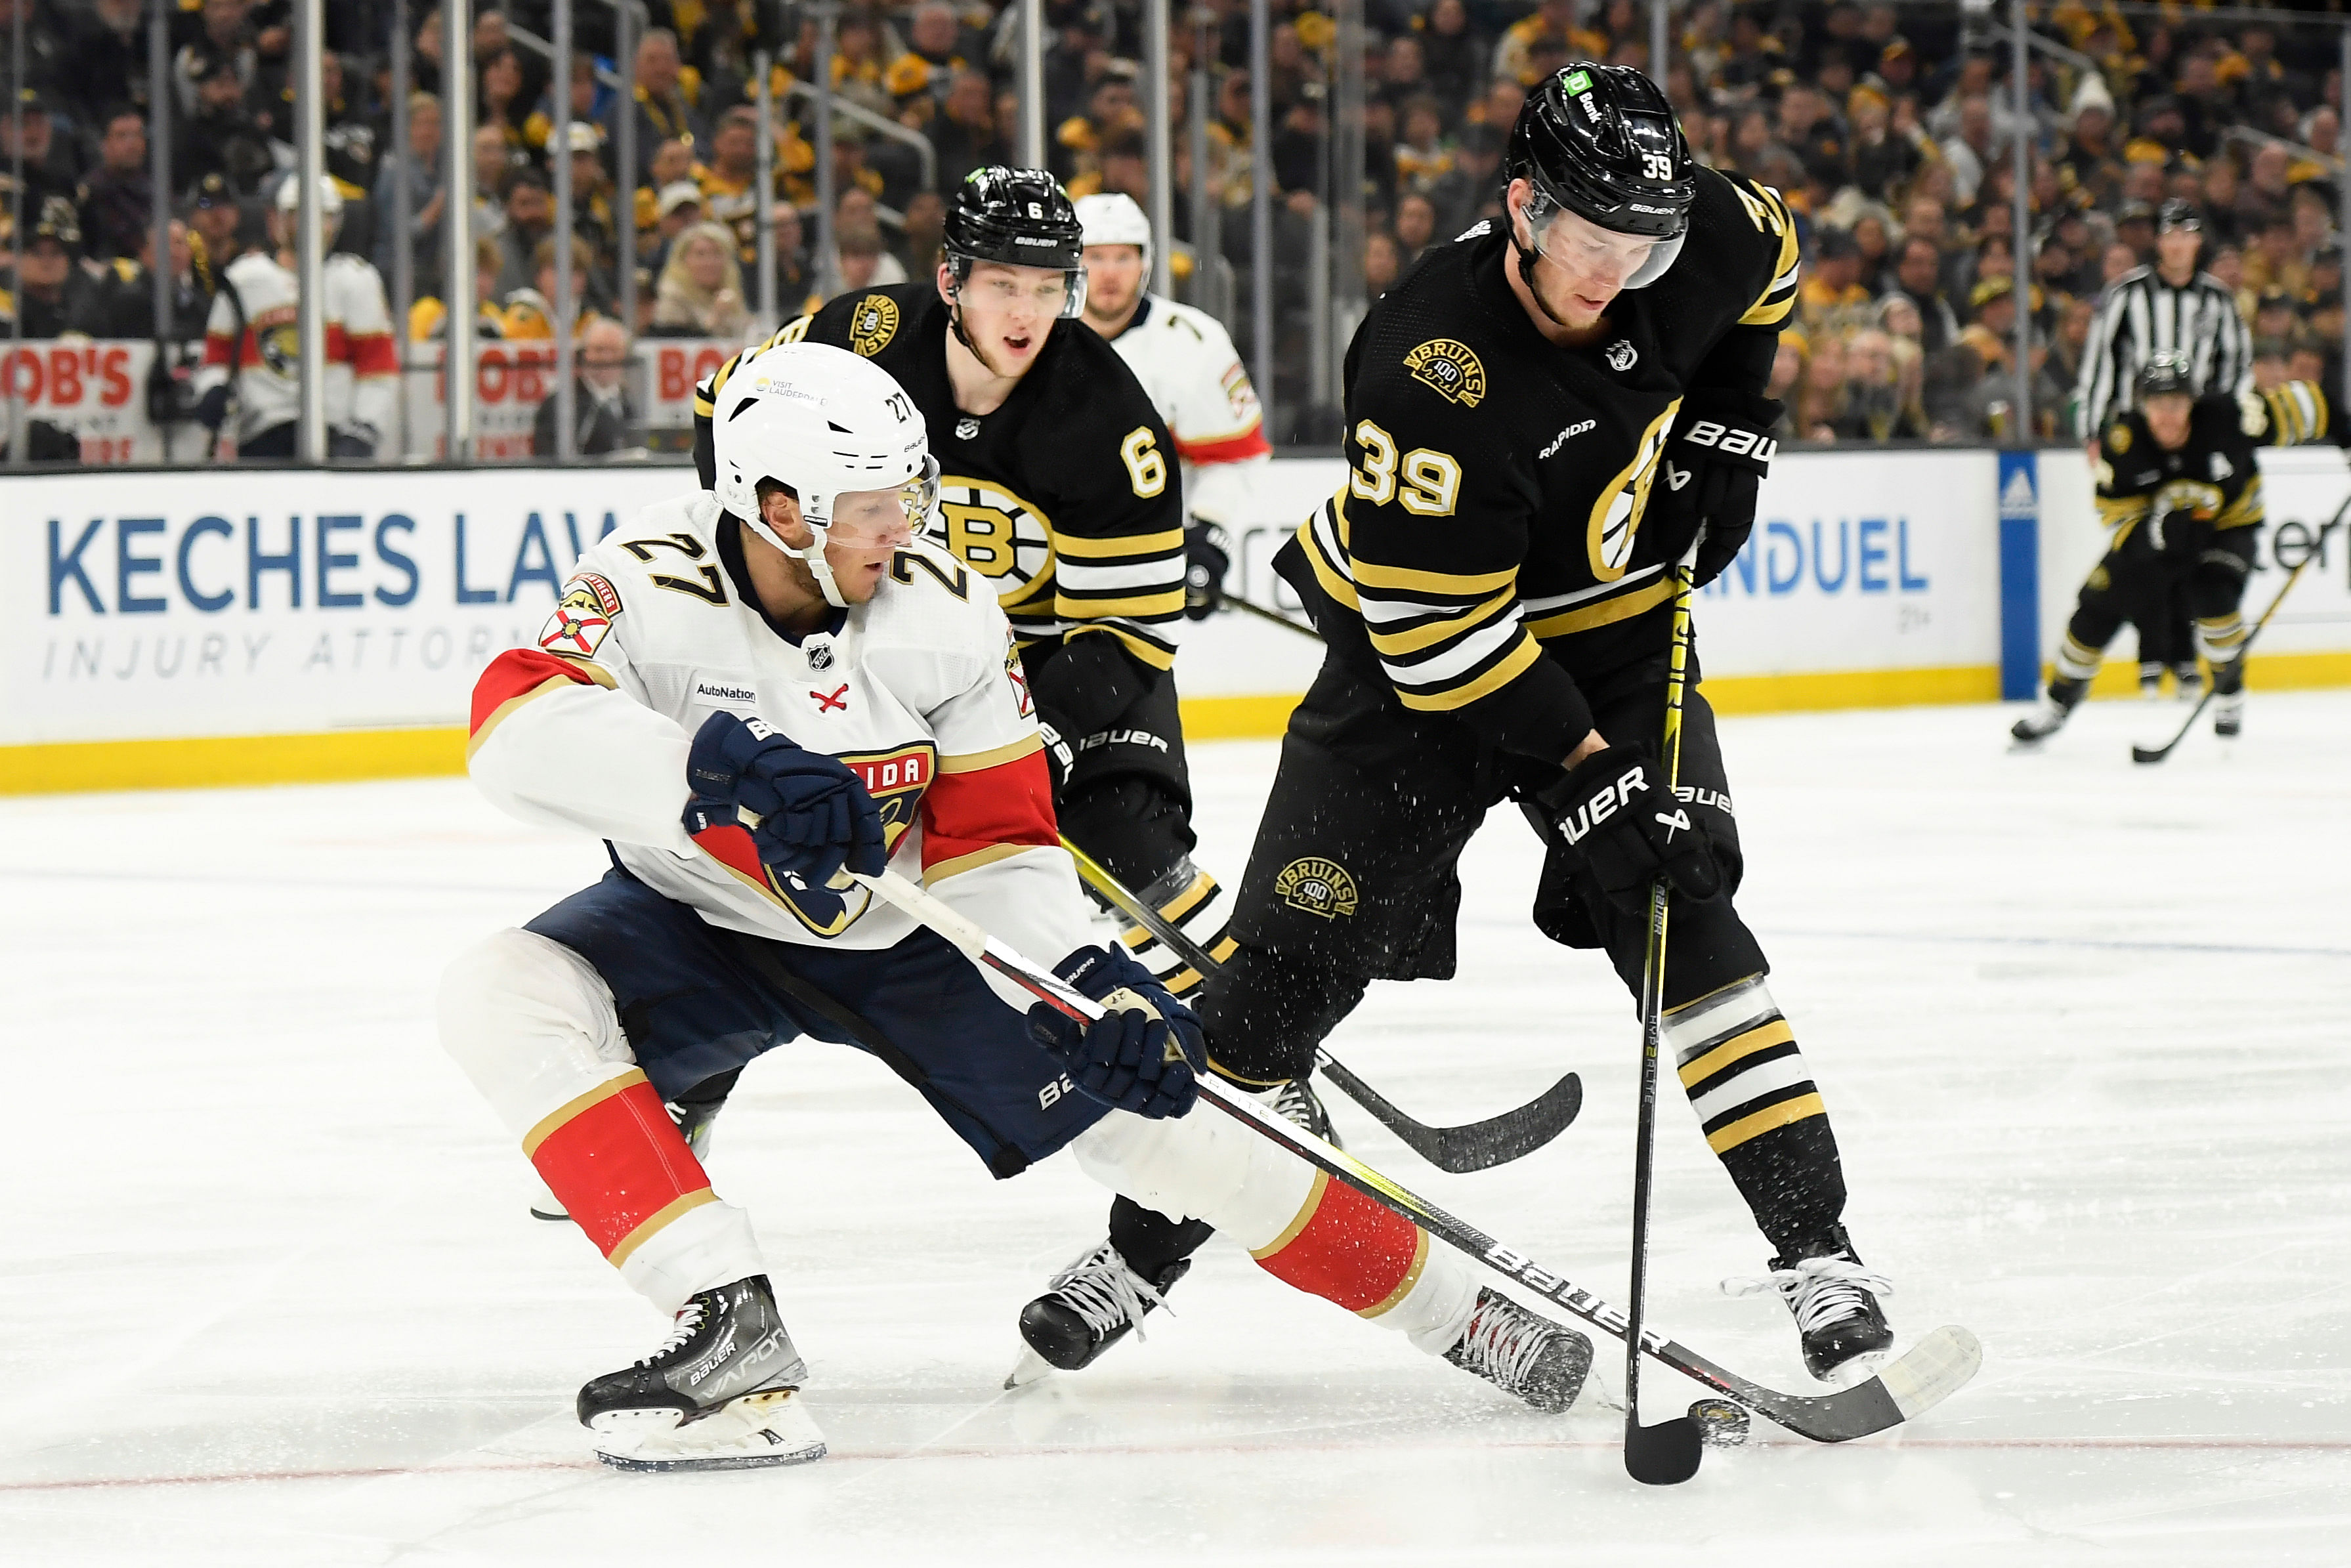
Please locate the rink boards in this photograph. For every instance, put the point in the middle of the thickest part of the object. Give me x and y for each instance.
(220, 626)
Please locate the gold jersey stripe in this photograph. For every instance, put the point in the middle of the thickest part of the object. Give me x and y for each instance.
(1760, 1038)
(1404, 1285)
(1729, 1138)
(1143, 648)
(547, 1126)
(939, 872)
(668, 1214)
(1607, 612)
(1371, 574)
(1077, 549)
(975, 761)
(596, 672)
(1334, 584)
(1442, 631)
(1191, 898)
(1512, 665)
(1141, 606)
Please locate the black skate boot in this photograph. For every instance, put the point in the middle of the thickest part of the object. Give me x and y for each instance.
(2150, 680)
(2229, 699)
(2186, 682)
(2050, 718)
(1088, 1307)
(1834, 1300)
(696, 1111)
(721, 1394)
(1522, 1353)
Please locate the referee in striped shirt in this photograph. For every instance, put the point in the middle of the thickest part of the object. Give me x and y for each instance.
(2167, 307)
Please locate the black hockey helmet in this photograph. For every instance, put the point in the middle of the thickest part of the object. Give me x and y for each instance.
(1018, 217)
(1601, 141)
(2166, 372)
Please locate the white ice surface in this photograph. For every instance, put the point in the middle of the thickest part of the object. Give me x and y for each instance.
(271, 1297)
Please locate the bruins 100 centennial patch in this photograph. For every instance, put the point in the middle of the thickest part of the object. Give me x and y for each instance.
(1317, 886)
(873, 324)
(1450, 369)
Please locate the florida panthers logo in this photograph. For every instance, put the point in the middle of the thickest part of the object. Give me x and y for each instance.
(581, 617)
(896, 780)
(994, 532)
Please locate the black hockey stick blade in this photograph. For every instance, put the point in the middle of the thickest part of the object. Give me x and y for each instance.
(1475, 1145)
(1276, 616)
(1665, 1455)
(1478, 1145)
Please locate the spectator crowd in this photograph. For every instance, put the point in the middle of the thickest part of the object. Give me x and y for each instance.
(1892, 130)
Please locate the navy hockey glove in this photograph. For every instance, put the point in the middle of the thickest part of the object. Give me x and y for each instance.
(1716, 456)
(1615, 814)
(213, 407)
(806, 814)
(1143, 1055)
(1209, 552)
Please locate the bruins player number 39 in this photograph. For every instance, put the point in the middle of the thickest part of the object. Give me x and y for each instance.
(1542, 418)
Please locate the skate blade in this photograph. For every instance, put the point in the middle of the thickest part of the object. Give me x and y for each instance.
(1031, 1369)
(548, 1207)
(1859, 1370)
(756, 1431)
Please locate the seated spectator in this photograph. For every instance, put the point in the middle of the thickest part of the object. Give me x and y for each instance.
(411, 178)
(680, 209)
(700, 291)
(1917, 277)
(1423, 160)
(1819, 402)
(1381, 264)
(118, 200)
(530, 313)
(1831, 297)
(964, 135)
(51, 292)
(2277, 261)
(1415, 228)
(530, 218)
(429, 318)
(604, 421)
(671, 163)
(1453, 52)
(861, 254)
(931, 56)
(730, 182)
(923, 243)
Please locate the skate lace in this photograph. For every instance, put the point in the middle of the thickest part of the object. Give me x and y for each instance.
(1505, 1343)
(688, 1323)
(1818, 1290)
(1106, 1293)
(1295, 1103)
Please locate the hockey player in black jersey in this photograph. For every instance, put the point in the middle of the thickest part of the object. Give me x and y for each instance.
(2181, 484)
(1059, 484)
(1542, 418)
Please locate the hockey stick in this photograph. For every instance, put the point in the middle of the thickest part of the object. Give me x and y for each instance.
(1276, 616)
(1667, 1453)
(1474, 1146)
(1930, 1372)
(2157, 754)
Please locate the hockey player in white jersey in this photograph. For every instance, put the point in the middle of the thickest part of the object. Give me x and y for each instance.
(1186, 362)
(746, 693)
(253, 341)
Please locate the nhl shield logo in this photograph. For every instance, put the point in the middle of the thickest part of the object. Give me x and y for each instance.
(873, 324)
(1621, 355)
(966, 428)
(819, 651)
(1317, 886)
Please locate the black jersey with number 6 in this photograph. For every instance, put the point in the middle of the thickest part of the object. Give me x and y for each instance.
(1486, 553)
(1066, 498)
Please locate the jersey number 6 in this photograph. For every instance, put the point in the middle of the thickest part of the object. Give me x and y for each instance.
(1145, 465)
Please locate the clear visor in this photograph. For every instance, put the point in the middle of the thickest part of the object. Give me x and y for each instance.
(1000, 285)
(884, 519)
(1583, 247)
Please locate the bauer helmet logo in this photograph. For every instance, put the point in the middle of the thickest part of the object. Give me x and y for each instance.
(1450, 369)
(873, 325)
(1317, 886)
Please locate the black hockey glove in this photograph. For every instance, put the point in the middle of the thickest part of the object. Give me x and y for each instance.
(1143, 1055)
(1615, 814)
(805, 814)
(1716, 456)
(213, 407)
(1210, 552)
(2178, 535)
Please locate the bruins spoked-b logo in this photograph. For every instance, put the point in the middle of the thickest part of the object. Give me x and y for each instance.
(1316, 885)
(873, 324)
(1450, 369)
(992, 531)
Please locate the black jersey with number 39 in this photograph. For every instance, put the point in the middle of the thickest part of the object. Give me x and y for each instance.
(1488, 535)
(1066, 498)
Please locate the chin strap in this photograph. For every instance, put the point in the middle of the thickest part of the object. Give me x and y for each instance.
(811, 555)
(1527, 274)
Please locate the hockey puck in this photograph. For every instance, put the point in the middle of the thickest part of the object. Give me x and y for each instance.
(1720, 1422)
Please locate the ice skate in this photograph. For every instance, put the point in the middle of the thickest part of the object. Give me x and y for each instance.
(1522, 1353)
(2056, 707)
(721, 1394)
(1833, 1299)
(2186, 683)
(2150, 681)
(1297, 1104)
(1088, 1307)
(694, 1121)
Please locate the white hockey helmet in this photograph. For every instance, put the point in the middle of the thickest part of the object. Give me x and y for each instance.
(289, 196)
(1114, 219)
(823, 422)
